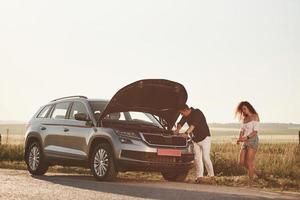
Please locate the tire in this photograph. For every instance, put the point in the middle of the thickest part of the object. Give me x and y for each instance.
(102, 163)
(34, 159)
(174, 175)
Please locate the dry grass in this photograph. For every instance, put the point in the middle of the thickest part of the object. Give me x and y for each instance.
(279, 160)
(11, 152)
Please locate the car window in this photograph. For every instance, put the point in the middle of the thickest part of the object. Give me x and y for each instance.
(44, 111)
(139, 117)
(116, 116)
(98, 106)
(60, 110)
(77, 107)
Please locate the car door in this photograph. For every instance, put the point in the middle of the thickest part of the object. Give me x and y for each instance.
(78, 132)
(54, 131)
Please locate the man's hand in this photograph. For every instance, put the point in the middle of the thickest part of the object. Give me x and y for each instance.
(184, 135)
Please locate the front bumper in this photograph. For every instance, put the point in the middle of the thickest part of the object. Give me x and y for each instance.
(143, 161)
(141, 157)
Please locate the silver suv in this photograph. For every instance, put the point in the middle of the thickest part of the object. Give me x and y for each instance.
(131, 132)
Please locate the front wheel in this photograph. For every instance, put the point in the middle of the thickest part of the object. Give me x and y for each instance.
(35, 160)
(174, 175)
(102, 163)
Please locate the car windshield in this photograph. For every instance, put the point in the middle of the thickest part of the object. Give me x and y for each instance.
(145, 119)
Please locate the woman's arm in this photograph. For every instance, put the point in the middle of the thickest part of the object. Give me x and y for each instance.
(244, 138)
(253, 134)
(241, 136)
(241, 132)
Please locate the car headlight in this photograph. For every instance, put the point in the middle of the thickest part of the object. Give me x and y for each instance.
(134, 135)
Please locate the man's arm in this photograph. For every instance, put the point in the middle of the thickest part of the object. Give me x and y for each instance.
(180, 125)
(188, 131)
(196, 119)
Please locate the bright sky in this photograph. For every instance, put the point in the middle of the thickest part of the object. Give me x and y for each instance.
(221, 51)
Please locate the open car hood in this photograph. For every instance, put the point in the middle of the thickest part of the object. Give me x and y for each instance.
(155, 96)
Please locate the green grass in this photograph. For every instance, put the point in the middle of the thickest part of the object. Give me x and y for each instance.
(279, 163)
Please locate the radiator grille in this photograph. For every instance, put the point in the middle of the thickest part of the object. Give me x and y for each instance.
(165, 140)
(154, 158)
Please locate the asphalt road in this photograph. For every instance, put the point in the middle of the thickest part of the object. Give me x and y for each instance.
(18, 184)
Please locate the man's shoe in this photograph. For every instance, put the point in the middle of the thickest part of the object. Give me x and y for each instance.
(199, 180)
(211, 179)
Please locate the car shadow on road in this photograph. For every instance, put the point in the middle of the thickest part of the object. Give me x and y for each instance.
(121, 187)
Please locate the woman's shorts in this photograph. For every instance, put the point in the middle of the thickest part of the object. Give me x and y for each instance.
(252, 143)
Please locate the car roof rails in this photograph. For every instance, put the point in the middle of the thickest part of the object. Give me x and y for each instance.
(75, 96)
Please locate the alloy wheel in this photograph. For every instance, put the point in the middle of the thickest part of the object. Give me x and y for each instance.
(34, 158)
(101, 162)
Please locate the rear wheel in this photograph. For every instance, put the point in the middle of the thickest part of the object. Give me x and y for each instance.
(102, 163)
(35, 159)
(174, 175)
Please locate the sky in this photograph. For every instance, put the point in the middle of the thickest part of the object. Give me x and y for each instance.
(223, 52)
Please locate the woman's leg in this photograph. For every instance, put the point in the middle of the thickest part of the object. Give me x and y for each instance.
(250, 162)
(205, 144)
(242, 158)
(198, 160)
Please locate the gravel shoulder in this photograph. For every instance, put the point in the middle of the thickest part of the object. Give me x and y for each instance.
(18, 184)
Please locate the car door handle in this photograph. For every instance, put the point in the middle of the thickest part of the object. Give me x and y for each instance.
(66, 129)
(43, 128)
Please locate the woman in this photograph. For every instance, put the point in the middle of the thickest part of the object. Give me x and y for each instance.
(248, 135)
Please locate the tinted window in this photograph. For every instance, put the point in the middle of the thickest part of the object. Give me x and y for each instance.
(44, 111)
(77, 107)
(60, 110)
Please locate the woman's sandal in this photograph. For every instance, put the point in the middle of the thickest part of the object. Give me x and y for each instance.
(259, 173)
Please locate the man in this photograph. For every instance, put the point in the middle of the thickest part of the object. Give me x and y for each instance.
(199, 132)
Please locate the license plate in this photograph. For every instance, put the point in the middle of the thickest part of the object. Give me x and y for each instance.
(169, 152)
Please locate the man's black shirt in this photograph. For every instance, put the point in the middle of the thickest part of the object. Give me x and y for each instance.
(197, 119)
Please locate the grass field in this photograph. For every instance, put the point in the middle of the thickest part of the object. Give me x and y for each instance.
(280, 164)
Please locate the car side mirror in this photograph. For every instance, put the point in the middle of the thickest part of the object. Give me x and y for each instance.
(82, 117)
